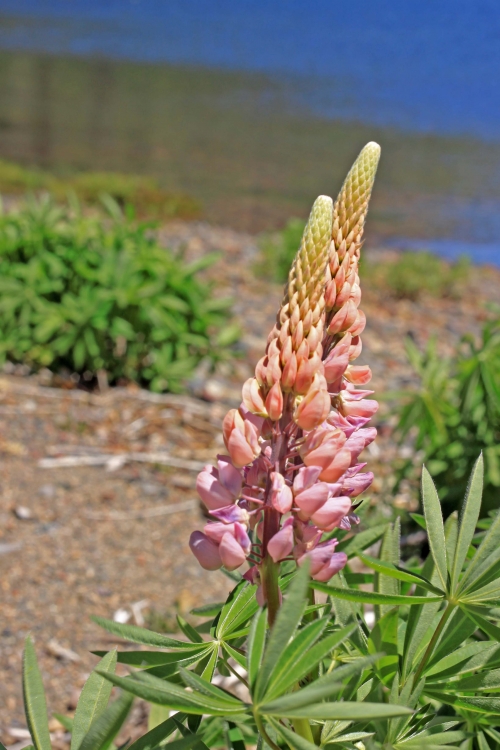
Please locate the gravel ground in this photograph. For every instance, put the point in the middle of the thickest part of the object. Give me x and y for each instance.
(97, 492)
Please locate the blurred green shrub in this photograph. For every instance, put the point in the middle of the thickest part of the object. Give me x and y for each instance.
(455, 413)
(416, 272)
(143, 193)
(278, 249)
(98, 292)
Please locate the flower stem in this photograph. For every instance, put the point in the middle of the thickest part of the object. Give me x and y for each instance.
(430, 648)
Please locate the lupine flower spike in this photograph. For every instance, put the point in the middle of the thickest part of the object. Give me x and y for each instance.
(292, 473)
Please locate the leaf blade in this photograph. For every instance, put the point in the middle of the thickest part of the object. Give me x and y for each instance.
(34, 699)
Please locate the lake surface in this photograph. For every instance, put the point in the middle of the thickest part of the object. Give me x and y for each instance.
(256, 107)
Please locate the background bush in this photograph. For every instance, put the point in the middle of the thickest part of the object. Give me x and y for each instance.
(90, 292)
(143, 193)
(454, 413)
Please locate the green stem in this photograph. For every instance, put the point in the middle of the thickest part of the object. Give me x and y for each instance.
(430, 648)
(303, 728)
(264, 734)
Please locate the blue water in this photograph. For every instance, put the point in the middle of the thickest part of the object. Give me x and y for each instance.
(427, 65)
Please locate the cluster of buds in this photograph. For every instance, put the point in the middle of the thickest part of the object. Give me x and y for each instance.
(292, 474)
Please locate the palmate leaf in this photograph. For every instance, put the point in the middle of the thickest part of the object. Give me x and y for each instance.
(93, 700)
(292, 739)
(146, 637)
(346, 711)
(155, 690)
(367, 597)
(322, 688)
(35, 705)
(105, 728)
(428, 741)
(435, 526)
(286, 623)
(476, 705)
(240, 606)
(299, 660)
(468, 519)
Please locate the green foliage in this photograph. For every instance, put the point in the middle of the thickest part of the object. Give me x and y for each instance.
(144, 194)
(416, 272)
(91, 293)
(421, 672)
(455, 413)
(278, 250)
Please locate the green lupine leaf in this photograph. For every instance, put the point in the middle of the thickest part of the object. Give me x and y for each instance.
(238, 657)
(207, 610)
(489, 546)
(294, 740)
(473, 656)
(189, 631)
(256, 644)
(394, 571)
(286, 623)
(476, 705)
(156, 737)
(300, 644)
(435, 526)
(321, 688)
(159, 658)
(468, 519)
(307, 661)
(439, 739)
(489, 680)
(201, 686)
(476, 615)
(155, 690)
(146, 637)
(367, 597)
(35, 706)
(485, 572)
(346, 711)
(105, 728)
(93, 700)
(240, 607)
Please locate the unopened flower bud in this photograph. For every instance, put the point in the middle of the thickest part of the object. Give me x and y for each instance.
(343, 319)
(281, 544)
(358, 374)
(274, 402)
(359, 324)
(241, 438)
(289, 373)
(281, 493)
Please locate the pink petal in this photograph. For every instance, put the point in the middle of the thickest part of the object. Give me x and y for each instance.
(205, 551)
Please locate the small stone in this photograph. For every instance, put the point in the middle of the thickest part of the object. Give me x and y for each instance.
(121, 616)
(23, 513)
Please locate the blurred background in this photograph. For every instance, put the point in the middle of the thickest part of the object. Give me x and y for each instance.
(157, 163)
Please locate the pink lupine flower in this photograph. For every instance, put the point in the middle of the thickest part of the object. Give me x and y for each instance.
(281, 493)
(294, 443)
(205, 551)
(331, 513)
(231, 552)
(281, 544)
(219, 487)
(354, 486)
(241, 438)
(359, 440)
(314, 408)
(324, 448)
(310, 500)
